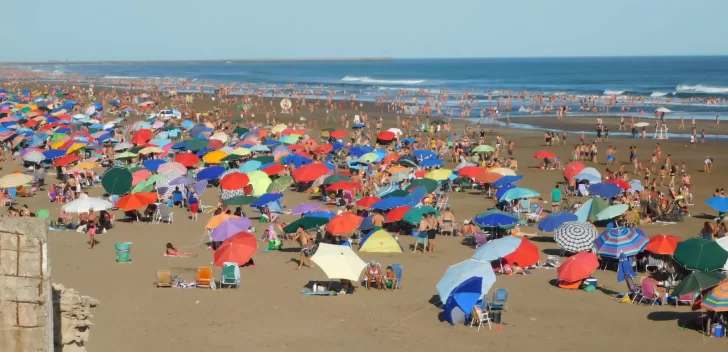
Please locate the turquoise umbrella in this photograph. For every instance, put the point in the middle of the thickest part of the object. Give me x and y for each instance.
(612, 212)
(519, 193)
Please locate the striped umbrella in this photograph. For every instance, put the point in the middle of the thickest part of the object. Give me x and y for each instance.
(37, 139)
(172, 167)
(636, 186)
(629, 241)
(717, 299)
(575, 236)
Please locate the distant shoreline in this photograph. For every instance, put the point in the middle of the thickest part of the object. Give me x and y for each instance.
(376, 59)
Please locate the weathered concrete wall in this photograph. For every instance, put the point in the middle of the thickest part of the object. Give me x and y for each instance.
(26, 307)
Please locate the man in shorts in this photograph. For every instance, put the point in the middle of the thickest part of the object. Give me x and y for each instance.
(556, 199)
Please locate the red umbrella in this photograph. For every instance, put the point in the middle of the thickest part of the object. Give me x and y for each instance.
(578, 267)
(142, 136)
(573, 169)
(238, 248)
(386, 136)
(324, 148)
(421, 173)
(544, 154)
(471, 171)
(619, 182)
(397, 213)
(488, 177)
(310, 172)
(215, 144)
(136, 200)
(341, 185)
(338, 134)
(662, 244)
(525, 255)
(65, 160)
(343, 223)
(273, 169)
(367, 201)
(234, 180)
(187, 159)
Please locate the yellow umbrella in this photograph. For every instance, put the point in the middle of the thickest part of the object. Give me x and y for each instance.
(74, 148)
(220, 136)
(241, 151)
(260, 181)
(439, 174)
(278, 128)
(87, 165)
(502, 171)
(59, 143)
(256, 174)
(368, 158)
(151, 150)
(14, 180)
(214, 157)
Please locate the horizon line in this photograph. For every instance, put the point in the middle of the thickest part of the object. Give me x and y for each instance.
(349, 59)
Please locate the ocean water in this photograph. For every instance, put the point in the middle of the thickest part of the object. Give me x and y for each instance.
(679, 83)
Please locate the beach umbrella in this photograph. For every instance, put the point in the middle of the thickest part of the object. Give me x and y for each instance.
(573, 169)
(336, 178)
(719, 203)
(396, 214)
(367, 201)
(432, 163)
(519, 193)
(14, 180)
(503, 171)
(216, 220)
(238, 248)
(187, 159)
(139, 176)
(439, 174)
(211, 173)
(278, 128)
(266, 199)
(338, 262)
(619, 182)
(172, 167)
(495, 218)
(483, 148)
(461, 272)
(697, 281)
(343, 223)
(310, 172)
(136, 200)
(343, 185)
(576, 236)
(321, 213)
(234, 180)
(470, 171)
(230, 227)
(117, 181)
(488, 177)
(462, 300)
(241, 151)
(717, 298)
(497, 249)
(153, 164)
(700, 254)
(214, 157)
(280, 184)
(641, 124)
(407, 161)
(414, 215)
(635, 186)
(274, 169)
(306, 208)
(429, 184)
(544, 154)
(126, 155)
(392, 202)
(590, 209)
(578, 267)
(380, 241)
(54, 153)
(506, 180)
(82, 205)
(34, 157)
(604, 190)
(612, 212)
(525, 255)
(624, 268)
(554, 220)
(65, 160)
(627, 240)
(182, 180)
(662, 244)
(260, 182)
(250, 165)
(422, 154)
(308, 222)
(240, 200)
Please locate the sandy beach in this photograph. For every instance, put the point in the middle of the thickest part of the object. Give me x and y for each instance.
(268, 313)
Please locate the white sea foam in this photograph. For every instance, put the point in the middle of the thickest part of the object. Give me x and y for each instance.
(369, 80)
(700, 88)
(658, 94)
(613, 92)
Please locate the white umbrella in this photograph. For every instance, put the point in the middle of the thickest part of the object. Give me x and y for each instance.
(641, 124)
(338, 262)
(82, 205)
(122, 146)
(663, 109)
(15, 180)
(396, 131)
(220, 136)
(34, 157)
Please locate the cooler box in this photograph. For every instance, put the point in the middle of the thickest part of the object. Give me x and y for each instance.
(123, 252)
(591, 282)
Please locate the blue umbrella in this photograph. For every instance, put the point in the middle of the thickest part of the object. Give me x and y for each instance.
(366, 224)
(418, 193)
(461, 272)
(624, 268)
(337, 146)
(636, 186)
(320, 214)
(180, 145)
(250, 165)
(422, 154)
(54, 153)
(501, 191)
(718, 203)
(462, 300)
(505, 180)
(359, 150)
(297, 160)
(204, 151)
(554, 220)
(497, 249)
(358, 125)
(588, 177)
(37, 139)
(182, 180)
(408, 141)
(271, 142)
(494, 218)
(432, 162)
(260, 148)
(187, 124)
(518, 193)
(391, 203)
(210, 173)
(605, 190)
(267, 198)
(153, 164)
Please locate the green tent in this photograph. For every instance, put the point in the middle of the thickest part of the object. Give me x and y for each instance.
(307, 223)
(414, 215)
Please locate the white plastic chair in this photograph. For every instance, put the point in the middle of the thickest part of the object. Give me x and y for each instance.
(163, 214)
(480, 318)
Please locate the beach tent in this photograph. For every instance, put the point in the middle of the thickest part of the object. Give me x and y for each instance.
(380, 241)
(462, 300)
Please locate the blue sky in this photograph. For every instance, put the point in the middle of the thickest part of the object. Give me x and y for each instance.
(87, 30)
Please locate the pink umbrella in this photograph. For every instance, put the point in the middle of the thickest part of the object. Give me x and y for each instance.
(139, 176)
(172, 167)
(158, 124)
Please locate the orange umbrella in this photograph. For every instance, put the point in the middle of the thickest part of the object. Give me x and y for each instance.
(662, 244)
(578, 267)
(525, 255)
(343, 223)
(338, 134)
(136, 200)
(471, 171)
(310, 172)
(488, 177)
(573, 169)
(216, 220)
(238, 248)
(544, 154)
(187, 159)
(390, 158)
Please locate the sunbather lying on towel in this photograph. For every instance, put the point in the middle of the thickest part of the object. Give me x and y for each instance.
(172, 252)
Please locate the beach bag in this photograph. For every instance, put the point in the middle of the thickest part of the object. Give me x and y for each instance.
(626, 299)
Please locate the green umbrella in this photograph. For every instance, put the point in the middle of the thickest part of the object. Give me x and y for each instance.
(597, 206)
(240, 131)
(136, 149)
(414, 215)
(329, 129)
(429, 184)
(397, 193)
(237, 120)
(135, 169)
(336, 178)
(280, 184)
(697, 281)
(125, 155)
(240, 200)
(368, 158)
(291, 139)
(232, 157)
(195, 144)
(483, 149)
(117, 180)
(26, 109)
(58, 136)
(612, 212)
(264, 159)
(700, 254)
(407, 162)
(155, 178)
(143, 186)
(307, 223)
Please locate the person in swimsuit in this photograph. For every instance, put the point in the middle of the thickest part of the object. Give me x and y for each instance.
(306, 248)
(431, 231)
(171, 251)
(373, 275)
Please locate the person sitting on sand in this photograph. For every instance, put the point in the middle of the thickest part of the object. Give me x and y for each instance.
(389, 277)
(373, 275)
(173, 252)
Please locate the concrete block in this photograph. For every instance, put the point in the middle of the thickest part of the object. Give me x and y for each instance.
(30, 314)
(29, 264)
(30, 243)
(8, 241)
(21, 289)
(8, 262)
(8, 314)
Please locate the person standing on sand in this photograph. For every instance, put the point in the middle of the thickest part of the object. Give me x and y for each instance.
(306, 248)
(431, 231)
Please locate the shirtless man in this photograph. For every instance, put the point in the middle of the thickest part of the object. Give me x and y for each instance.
(306, 247)
(378, 221)
(431, 231)
(422, 236)
(447, 221)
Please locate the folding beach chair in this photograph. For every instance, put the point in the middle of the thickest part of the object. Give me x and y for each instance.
(480, 317)
(442, 202)
(500, 299)
(163, 214)
(204, 277)
(164, 278)
(481, 238)
(649, 295)
(230, 275)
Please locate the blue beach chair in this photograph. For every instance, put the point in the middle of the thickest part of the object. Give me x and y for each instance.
(500, 300)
